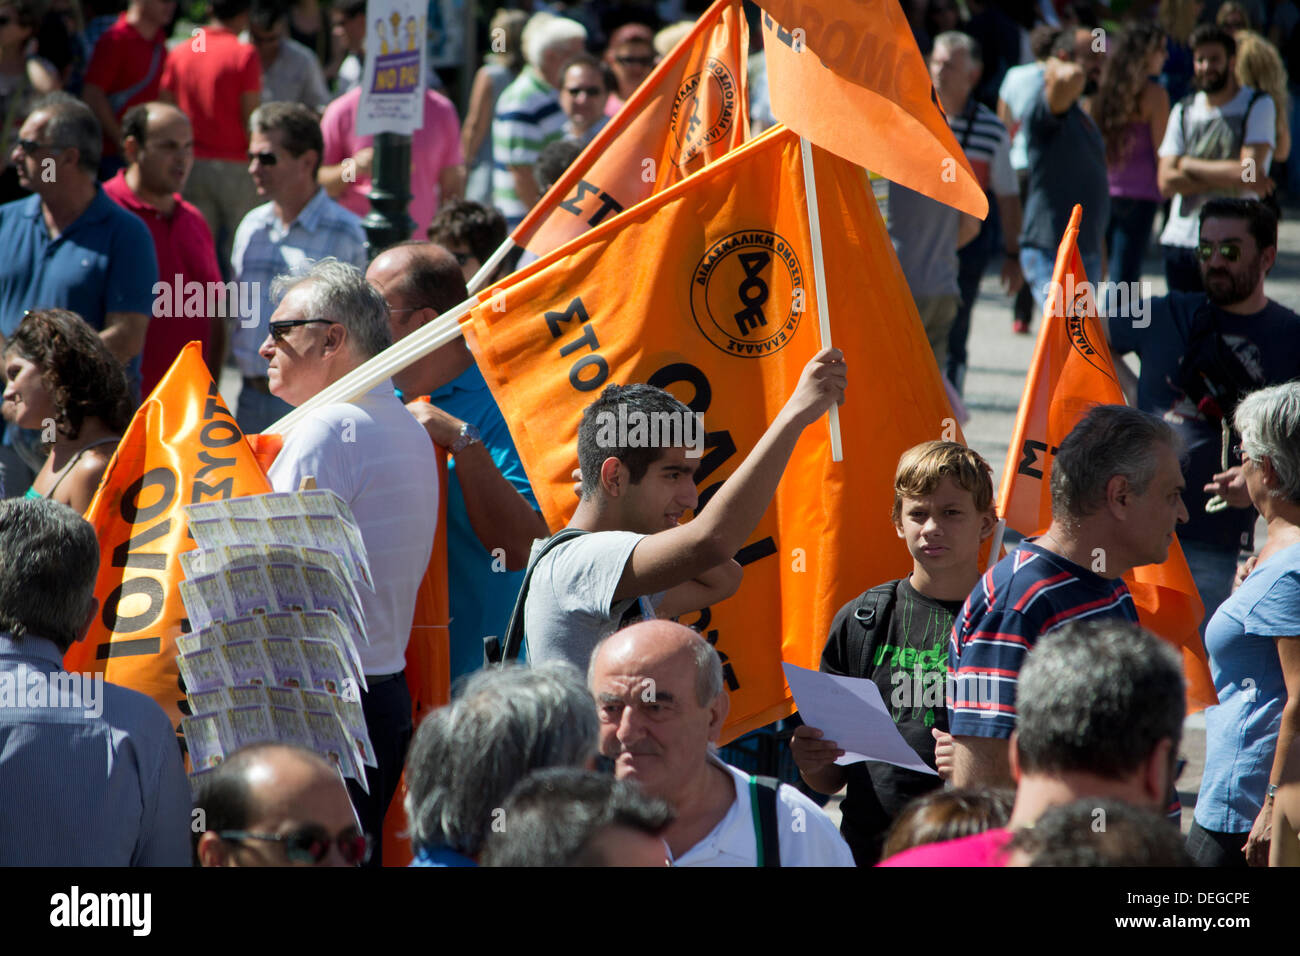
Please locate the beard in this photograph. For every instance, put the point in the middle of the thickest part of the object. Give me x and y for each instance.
(1210, 82)
(1225, 288)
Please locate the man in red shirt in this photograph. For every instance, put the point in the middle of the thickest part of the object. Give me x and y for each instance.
(217, 81)
(126, 69)
(159, 147)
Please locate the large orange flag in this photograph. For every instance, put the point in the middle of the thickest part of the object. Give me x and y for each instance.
(707, 290)
(692, 109)
(847, 74)
(1070, 373)
(182, 447)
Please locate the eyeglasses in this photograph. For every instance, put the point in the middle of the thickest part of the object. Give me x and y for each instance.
(1206, 250)
(266, 159)
(462, 258)
(281, 329)
(30, 146)
(5, 21)
(311, 843)
(579, 90)
(634, 60)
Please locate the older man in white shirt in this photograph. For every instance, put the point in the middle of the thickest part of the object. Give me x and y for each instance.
(378, 459)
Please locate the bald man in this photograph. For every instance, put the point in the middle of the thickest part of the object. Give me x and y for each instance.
(659, 694)
(278, 805)
(158, 145)
(492, 516)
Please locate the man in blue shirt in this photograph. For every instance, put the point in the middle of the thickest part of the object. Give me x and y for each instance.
(90, 773)
(69, 246)
(492, 516)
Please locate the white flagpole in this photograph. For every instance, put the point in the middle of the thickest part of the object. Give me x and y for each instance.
(480, 278)
(819, 279)
(999, 531)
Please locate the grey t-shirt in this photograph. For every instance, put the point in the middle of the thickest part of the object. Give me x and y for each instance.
(570, 605)
(924, 232)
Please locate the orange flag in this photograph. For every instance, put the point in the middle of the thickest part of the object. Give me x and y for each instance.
(692, 109)
(707, 290)
(182, 447)
(1070, 373)
(847, 74)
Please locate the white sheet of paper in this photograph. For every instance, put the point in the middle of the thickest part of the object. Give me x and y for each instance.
(851, 712)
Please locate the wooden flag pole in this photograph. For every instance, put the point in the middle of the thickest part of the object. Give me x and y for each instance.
(819, 280)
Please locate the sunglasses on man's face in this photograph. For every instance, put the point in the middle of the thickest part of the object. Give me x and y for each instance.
(266, 159)
(635, 60)
(579, 90)
(279, 330)
(5, 21)
(1205, 251)
(311, 843)
(30, 146)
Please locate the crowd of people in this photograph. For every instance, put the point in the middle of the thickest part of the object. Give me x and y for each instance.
(155, 169)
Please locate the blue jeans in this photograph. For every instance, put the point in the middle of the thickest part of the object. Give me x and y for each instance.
(1127, 236)
(1213, 569)
(255, 410)
(1037, 265)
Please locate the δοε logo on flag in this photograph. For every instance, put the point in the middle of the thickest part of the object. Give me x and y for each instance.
(704, 110)
(747, 293)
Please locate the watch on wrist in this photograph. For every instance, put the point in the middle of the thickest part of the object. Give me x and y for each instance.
(1272, 789)
(468, 436)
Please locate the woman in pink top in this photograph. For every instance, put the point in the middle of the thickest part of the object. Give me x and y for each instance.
(1131, 109)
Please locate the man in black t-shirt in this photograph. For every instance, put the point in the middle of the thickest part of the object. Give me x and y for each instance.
(897, 635)
(1200, 352)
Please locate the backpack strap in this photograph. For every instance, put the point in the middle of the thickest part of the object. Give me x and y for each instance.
(762, 805)
(874, 610)
(498, 652)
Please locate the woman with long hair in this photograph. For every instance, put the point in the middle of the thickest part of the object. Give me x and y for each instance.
(63, 381)
(1132, 109)
(499, 68)
(1259, 66)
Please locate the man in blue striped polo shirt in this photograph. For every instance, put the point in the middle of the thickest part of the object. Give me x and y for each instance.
(1116, 500)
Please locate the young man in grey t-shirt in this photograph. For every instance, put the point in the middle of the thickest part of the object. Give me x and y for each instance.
(637, 481)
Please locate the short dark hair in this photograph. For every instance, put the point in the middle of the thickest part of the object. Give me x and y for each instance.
(263, 15)
(432, 282)
(553, 160)
(1259, 219)
(49, 559)
(136, 123)
(646, 399)
(83, 377)
(1096, 697)
(944, 815)
(299, 127)
(229, 9)
(352, 8)
(1109, 440)
(552, 816)
(1208, 33)
(1041, 40)
(463, 222)
(1092, 832)
(586, 59)
(72, 124)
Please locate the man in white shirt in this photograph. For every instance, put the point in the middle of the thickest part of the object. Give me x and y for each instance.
(378, 459)
(660, 698)
(1219, 143)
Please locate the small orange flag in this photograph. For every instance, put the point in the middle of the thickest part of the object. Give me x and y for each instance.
(847, 74)
(1070, 373)
(692, 109)
(707, 290)
(182, 447)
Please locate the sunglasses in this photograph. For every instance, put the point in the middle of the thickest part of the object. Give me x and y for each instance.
(311, 843)
(1206, 250)
(30, 146)
(634, 60)
(281, 329)
(266, 159)
(5, 21)
(579, 90)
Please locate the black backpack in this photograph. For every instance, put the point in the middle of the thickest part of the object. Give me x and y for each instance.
(873, 610)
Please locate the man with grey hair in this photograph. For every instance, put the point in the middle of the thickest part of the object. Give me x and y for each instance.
(299, 224)
(1116, 500)
(1101, 714)
(69, 246)
(378, 459)
(661, 703)
(561, 817)
(468, 756)
(528, 112)
(90, 773)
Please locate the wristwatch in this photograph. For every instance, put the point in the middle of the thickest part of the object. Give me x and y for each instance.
(468, 436)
